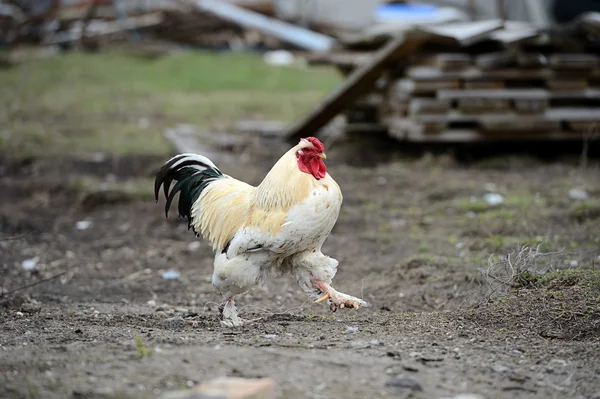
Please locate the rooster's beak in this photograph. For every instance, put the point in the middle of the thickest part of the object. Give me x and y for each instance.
(322, 155)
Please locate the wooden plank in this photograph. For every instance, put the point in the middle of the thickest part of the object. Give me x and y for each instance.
(566, 84)
(474, 135)
(533, 123)
(452, 61)
(410, 86)
(573, 113)
(555, 114)
(428, 105)
(500, 94)
(514, 32)
(483, 105)
(360, 81)
(484, 84)
(573, 61)
(531, 60)
(432, 73)
(519, 94)
(495, 60)
(530, 106)
(463, 33)
(583, 127)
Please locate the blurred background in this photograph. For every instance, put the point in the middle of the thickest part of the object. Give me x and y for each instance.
(463, 135)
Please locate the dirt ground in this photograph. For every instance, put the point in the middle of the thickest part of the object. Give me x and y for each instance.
(413, 238)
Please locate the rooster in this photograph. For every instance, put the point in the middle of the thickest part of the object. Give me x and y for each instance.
(278, 226)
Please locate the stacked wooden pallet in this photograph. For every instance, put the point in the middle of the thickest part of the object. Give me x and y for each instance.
(489, 91)
(494, 95)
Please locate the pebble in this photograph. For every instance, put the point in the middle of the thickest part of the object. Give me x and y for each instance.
(83, 225)
(404, 383)
(30, 264)
(578, 194)
(171, 275)
(351, 330)
(174, 322)
(194, 246)
(499, 368)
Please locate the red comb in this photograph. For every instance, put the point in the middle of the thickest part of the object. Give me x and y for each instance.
(316, 142)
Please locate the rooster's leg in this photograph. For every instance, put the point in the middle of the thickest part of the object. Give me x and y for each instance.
(337, 299)
(229, 314)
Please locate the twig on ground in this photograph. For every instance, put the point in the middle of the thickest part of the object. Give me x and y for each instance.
(44, 280)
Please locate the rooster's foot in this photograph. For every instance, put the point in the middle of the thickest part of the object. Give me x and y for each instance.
(229, 314)
(337, 300)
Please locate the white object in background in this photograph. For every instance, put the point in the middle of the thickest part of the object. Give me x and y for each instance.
(279, 58)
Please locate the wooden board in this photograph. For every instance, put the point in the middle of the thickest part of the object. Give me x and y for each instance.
(484, 84)
(566, 84)
(556, 114)
(432, 73)
(498, 94)
(495, 60)
(584, 127)
(474, 135)
(360, 81)
(530, 106)
(463, 33)
(410, 86)
(573, 61)
(419, 106)
(452, 61)
(519, 94)
(483, 105)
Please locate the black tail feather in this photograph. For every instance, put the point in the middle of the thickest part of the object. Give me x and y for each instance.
(193, 173)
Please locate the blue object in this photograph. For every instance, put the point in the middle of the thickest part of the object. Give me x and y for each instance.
(406, 11)
(171, 275)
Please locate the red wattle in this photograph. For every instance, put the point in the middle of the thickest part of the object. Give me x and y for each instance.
(314, 166)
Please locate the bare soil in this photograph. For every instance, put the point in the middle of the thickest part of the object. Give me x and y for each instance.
(412, 239)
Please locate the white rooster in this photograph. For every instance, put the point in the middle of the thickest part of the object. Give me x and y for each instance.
(280, 225)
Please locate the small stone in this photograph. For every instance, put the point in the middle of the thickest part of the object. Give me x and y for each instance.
(30, 307)
(493, 199)
(83, 225)
(30, 264)
(171, 275)
(402, 382)
(174, 322)
(578, 194)
(351, 330)
(194, 246)
(499, 368)
(559, 362)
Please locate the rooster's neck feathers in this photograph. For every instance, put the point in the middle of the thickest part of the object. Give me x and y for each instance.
(285, 185)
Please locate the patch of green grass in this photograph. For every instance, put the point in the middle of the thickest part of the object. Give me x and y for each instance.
(113, 103)
(133, 188)
(142, 350)
(586, 278)
(496, 242)
(423, 248)
(497, 214)
(420, 260)
(586, 210)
